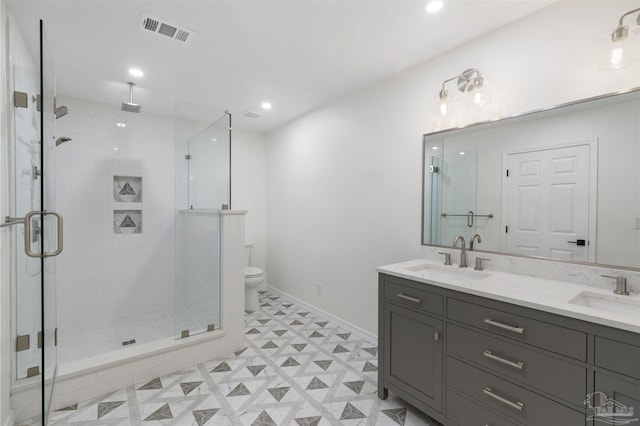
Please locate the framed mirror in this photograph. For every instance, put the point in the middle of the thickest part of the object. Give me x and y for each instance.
(561, 183)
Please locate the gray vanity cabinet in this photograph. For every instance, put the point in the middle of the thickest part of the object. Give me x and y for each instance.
(622, 391)
(412, 358)
(467, 360)
(413, 355)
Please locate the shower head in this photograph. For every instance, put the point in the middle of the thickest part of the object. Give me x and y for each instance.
(130, 106)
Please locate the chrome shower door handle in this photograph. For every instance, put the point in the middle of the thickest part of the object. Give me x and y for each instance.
(27, 233)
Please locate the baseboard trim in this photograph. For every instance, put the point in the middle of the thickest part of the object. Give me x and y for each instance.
(10, 420)
(363, 334)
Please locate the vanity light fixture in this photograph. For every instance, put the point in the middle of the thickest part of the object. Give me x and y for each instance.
(620, 47)
(470, 81)
(121, 124)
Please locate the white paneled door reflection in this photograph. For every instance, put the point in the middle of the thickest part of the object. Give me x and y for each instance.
(548, 203)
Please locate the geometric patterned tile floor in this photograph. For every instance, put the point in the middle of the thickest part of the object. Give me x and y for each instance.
(296, 369)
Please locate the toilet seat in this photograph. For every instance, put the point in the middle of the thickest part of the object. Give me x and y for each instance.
(253, 272)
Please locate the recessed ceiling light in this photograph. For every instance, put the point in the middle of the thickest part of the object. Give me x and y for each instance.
(433, 6)
(213, 139)
(266, 105)
(120, 124)
(136, 72)
(435, 148)
(462, 153)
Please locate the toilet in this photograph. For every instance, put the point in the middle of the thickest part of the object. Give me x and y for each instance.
(253, 277)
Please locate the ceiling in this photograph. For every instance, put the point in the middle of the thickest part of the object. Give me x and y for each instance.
(297, 54)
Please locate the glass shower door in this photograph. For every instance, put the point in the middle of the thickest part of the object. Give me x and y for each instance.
(51, 225)
(36, 227)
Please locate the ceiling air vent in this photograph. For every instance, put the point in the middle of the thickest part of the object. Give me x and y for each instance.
(158, 26)
(251, 114)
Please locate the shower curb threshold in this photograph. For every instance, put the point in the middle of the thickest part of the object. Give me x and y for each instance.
(125, 355)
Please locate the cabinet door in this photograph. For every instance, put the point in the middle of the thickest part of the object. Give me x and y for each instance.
(614, 399)
(413, 353)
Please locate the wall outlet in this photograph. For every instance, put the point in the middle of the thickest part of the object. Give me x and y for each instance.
(637, 223)
(318, 289)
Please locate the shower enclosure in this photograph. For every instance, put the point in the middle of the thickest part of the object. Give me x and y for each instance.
(142, 262)
(35, 226)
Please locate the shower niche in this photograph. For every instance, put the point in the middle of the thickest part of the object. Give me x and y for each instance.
(127, 200)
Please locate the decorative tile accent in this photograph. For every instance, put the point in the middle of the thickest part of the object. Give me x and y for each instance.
(256, 369)
(355, 386)
(162, 413)
(351, 412)
(189, 386)
(223, 366)
(127, 189)
(105, 408)
(398, 415)
(296, 380)
(309, 421)
(239, 390)
(152, 385)
(203, 416)
(127, 221)
(278, 393)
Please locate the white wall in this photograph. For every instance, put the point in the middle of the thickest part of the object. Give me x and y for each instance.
(344, 181)
(248, 189)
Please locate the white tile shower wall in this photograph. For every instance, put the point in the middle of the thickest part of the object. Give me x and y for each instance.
(113, 288)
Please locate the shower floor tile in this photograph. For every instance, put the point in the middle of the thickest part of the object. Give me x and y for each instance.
(296, 369)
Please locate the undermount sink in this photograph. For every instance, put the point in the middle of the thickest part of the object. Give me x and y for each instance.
(454, 270)
(625, 305)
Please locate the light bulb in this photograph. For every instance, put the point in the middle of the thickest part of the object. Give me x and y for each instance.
(616, 57)
(443, 108)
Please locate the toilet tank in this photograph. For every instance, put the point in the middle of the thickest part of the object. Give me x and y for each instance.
(248, 245)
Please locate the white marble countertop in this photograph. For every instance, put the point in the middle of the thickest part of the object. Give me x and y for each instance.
(523, 290)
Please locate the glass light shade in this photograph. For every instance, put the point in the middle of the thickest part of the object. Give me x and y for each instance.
(480, 96)
(618, 54)
(445, 105)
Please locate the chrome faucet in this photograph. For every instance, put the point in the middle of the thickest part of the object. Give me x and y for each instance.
(463, 253)
(473, 239)
(621, 285)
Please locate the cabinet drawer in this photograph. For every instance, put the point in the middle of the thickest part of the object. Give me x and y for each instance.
(512, 400)
(617, 356)
(466, 413)
(406, 295)
(552, 375)
(552, 337)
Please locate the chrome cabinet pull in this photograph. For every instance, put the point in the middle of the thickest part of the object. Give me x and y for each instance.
(517, 405)
(436, 336)
(27, 233)
(409, 298)
(515, 364)
(519, 330)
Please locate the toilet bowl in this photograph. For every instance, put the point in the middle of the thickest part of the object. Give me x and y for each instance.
(253, 277)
